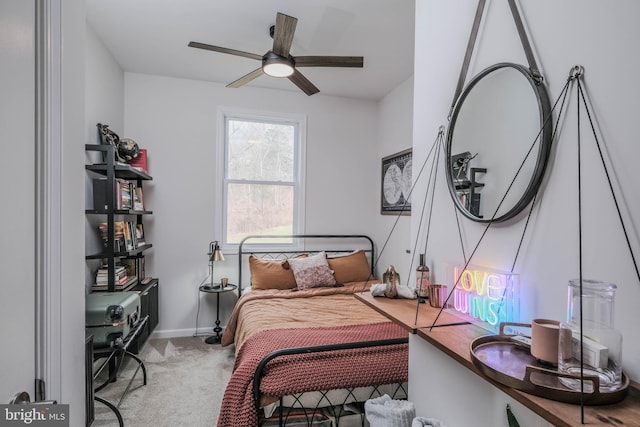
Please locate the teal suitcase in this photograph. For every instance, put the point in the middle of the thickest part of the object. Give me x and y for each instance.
(111, 316)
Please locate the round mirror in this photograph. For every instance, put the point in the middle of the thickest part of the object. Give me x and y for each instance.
(498, 143)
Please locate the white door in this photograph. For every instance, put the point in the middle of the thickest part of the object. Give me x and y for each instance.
(17, 183)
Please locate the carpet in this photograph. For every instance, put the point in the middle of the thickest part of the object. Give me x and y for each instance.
(186, 379)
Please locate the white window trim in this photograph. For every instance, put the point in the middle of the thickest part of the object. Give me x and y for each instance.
(220, 165)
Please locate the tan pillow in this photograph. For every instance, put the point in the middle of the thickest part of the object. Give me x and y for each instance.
(353, 267)
(270, 274)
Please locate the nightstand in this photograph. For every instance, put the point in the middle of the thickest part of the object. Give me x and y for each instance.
(217, 289)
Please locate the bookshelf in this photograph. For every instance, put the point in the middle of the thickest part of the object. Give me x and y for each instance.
(117, 217)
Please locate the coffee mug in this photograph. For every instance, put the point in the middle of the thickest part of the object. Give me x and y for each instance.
(224, 281)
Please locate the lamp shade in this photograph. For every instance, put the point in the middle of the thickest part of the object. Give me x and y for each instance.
(215, 254)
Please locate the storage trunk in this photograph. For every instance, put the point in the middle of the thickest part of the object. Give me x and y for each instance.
(110, 316)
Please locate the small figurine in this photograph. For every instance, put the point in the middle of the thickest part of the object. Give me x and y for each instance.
(391, 279)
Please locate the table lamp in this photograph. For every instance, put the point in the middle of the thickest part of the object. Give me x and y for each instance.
(215, 255)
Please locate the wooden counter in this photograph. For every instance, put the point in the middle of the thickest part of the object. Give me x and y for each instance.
(455, 342)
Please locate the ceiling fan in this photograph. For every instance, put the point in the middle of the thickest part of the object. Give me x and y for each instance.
(278, 62)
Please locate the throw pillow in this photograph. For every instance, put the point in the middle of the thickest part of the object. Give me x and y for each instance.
(270, 274)
(312, 272)
(353, 267)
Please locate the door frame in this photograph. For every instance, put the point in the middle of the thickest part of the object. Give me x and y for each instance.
(48, 256)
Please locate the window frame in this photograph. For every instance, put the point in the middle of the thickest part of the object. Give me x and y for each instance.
(299, 122)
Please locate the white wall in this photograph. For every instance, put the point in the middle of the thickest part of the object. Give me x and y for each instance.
(104, 88)
(590, 33)
(104, 103)
(395, 133)
(43, 245)
(175, 119)
(17, 84)
(67, 153)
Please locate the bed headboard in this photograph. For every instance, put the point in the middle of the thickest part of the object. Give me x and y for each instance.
(332, 244)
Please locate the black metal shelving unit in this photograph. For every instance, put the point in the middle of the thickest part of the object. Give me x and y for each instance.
(113, 170)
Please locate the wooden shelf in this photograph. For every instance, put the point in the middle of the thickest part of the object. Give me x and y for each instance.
(403, 312)
(455, 341)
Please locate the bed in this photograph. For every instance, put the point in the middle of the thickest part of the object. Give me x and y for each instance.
(307, 352)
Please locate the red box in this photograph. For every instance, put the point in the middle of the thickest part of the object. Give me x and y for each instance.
(140, 162)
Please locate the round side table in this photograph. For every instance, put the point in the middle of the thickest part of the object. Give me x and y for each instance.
(217, 289)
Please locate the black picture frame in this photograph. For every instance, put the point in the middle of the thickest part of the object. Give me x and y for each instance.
(396, 183)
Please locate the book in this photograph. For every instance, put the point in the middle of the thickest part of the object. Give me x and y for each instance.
(138, 201)
(129, 236)
(141, 271)
(125, 194)
(139, 231)
(140, 161)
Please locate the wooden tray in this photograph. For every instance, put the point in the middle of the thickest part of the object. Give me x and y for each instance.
(510, 363)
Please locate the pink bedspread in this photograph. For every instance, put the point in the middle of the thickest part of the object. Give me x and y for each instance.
(309, 372)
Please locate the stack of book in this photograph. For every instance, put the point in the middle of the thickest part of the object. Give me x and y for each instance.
(121, 281)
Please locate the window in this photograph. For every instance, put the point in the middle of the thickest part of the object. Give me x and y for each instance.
(262, 182)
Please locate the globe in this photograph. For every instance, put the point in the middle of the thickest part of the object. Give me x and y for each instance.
(128, 149)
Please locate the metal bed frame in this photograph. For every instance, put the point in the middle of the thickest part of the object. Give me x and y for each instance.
(288, 253)
(310, 413)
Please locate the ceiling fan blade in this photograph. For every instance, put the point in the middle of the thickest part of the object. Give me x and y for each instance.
(225, 50)
(329, 61)
(283, 34)
(246, 78)
(303, 83)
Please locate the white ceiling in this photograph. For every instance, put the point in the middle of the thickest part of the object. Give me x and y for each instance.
(151, 37)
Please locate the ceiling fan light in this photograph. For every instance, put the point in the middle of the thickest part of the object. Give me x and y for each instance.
(277, 69)
(277, 66)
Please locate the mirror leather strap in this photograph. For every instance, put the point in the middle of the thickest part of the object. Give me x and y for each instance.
(467, 55)
(533, 67)
(537, 77)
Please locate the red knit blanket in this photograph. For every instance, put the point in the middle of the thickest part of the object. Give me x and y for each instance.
(315, 371)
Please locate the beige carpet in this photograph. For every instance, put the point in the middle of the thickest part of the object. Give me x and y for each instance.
(186, 379)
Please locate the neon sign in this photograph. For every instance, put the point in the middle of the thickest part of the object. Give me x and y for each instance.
(485, 297)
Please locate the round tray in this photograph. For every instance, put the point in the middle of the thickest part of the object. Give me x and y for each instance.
(510, 363)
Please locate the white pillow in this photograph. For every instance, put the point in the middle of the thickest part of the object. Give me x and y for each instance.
(312, 272)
